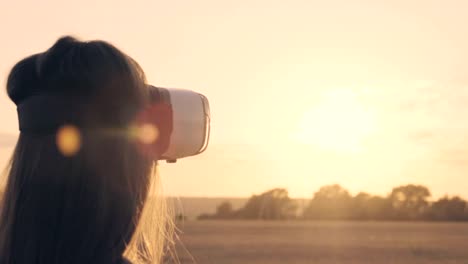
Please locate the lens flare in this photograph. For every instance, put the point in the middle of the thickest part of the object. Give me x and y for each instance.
(68, 140)
(148, 133)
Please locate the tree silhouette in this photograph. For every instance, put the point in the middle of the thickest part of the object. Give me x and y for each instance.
(370, 207)
(409, 202)
(224, 210)
(274, 204)
(330, 202)
(449, 209)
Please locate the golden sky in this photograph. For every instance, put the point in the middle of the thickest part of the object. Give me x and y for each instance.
(368, 94)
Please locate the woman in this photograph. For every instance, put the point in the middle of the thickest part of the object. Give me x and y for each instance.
(78, 193)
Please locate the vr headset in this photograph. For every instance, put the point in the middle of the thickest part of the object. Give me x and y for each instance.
(180, 117)
(186, 128)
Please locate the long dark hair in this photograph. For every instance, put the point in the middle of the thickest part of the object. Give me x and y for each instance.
(78, 195)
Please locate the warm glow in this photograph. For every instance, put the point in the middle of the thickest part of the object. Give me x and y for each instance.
(285, 82)
(339, 122)
(148, 133)
(68, 140)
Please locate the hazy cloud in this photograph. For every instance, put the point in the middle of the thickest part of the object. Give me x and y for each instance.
(421, 136)
(454, 156)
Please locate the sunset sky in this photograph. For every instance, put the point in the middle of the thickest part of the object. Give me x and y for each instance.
(367, 94)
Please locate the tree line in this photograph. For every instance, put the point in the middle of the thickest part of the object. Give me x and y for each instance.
(333, 202)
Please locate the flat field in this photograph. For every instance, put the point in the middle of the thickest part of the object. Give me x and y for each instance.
(222, 242)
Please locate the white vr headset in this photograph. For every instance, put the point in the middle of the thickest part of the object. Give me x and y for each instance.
(189, 118)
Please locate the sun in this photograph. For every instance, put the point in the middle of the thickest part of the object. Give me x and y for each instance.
(340, 122)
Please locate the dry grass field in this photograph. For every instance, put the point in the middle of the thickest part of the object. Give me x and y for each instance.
(223, 242)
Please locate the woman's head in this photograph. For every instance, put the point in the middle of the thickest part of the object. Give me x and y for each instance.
(76, 193)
